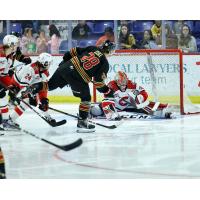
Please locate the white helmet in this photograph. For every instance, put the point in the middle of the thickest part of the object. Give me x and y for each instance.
(45, 59)
(10, 40)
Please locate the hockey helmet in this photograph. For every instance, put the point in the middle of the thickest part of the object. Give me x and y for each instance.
(107, 46)
(45, 59)
(122, 80)
(10, 40)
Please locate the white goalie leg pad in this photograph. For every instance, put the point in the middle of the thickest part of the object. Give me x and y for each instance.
(95, 110)
(155, 107)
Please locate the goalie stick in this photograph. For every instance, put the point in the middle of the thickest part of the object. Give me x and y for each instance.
(53, 124)
(74, 116)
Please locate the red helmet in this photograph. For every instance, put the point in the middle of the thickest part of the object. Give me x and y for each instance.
(122, 80)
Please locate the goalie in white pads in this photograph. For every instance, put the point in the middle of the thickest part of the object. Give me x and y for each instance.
(26, 76)
(130, 97)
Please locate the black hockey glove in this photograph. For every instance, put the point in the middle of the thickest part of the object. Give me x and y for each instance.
(12, 94)
(21, 58)
(32, 100)
(44, 105)
(26, 60)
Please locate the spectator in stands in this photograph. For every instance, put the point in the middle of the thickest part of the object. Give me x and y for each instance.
(186, 41)
(148, 41)
(54, 39)
(81, 30)
(171, 39)
(177, 27)
(42, 42)
(126, 39)
(126, 23)
(156, 29)
(108, 35)
(28, 43)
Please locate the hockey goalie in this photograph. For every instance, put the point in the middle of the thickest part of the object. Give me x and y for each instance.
(131, 98)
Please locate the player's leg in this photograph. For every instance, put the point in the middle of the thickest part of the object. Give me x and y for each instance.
(83, 91)
(19, 110)
(57, 80)
(7, 123)
(2, 166)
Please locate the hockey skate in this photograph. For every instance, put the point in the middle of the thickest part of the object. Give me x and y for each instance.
(9, 125)
(84, 126)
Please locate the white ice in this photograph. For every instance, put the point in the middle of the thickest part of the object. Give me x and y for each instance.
(136, 149)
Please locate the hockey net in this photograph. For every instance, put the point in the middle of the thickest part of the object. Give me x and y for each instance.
(160, 72)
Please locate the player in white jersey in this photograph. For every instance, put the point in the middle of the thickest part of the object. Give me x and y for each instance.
(28, 75)
(130, 97)
(9, 47)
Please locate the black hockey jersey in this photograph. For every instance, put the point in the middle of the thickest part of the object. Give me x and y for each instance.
(90, 63)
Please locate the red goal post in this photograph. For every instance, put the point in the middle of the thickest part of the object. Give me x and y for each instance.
(156, 62)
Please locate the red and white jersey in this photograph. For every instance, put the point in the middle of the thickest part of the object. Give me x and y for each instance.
(5, 64)
(123, 99)
(29, 75)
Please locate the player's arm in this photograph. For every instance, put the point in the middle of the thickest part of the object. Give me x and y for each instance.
(99, 81)
(22, 58)
(138, 95)
(4, 76)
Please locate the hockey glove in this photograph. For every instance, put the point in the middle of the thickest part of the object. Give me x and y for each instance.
(33, 89)
(26, 60)
(44, 105)
(12, 94)
(32, 100)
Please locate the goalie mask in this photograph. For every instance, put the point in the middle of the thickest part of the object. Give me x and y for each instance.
(122, 80)
(45, 60)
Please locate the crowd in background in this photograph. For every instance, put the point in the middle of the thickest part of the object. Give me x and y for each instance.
(130, 35)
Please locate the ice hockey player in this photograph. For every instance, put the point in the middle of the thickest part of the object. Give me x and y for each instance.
(9, 47)
(2, 166)
(23, 59)
(77, 69)
(22, 81)
(130, 97)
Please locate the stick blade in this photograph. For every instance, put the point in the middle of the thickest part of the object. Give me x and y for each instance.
(71, 146)
(60, 123)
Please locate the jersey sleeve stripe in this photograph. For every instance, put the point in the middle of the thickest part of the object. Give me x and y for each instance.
(80, 70)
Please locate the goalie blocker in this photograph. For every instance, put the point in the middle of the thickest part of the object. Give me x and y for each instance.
(130, 97)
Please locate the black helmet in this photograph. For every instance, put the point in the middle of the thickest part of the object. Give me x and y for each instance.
(107, 46)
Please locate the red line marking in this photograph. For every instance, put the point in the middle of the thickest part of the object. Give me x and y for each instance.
(57, 156)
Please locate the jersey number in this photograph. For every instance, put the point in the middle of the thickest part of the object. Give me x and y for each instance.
(28, 77)
(90, 61)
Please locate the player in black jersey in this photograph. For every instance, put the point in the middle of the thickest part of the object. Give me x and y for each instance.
(79, 67)
(2, 166)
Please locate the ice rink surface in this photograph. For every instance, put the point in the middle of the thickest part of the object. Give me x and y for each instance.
(136, 149)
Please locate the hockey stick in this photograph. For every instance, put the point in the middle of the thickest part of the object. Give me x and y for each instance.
(53, 124)
(66, 147)
(74, 116)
